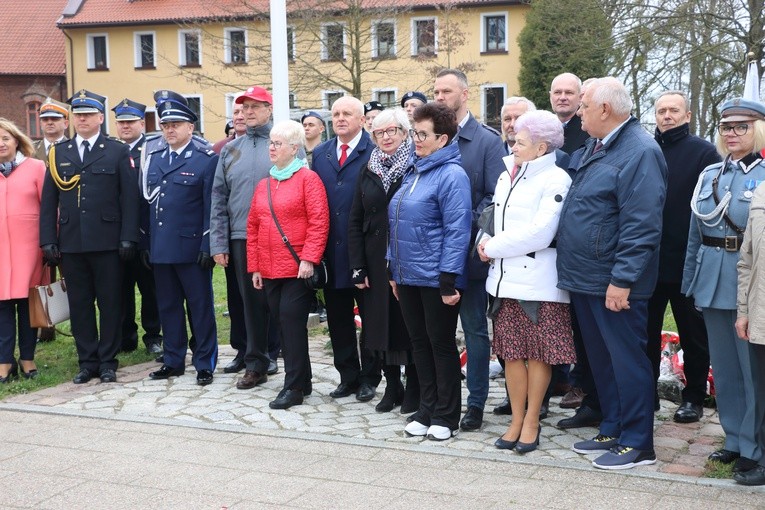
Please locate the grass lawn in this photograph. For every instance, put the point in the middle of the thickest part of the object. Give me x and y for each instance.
(57, 360)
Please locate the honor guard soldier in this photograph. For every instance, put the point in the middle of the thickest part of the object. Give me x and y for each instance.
(89, 224)
(54, 120)
(177, 182)
(130, 128)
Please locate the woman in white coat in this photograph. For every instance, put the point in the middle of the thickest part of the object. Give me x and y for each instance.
(532, 326)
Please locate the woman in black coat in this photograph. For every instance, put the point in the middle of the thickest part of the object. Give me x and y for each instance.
(383, 326)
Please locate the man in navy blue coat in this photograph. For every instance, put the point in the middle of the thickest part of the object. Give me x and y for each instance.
(339, 162)
(482, 151)
(89, 219)
(178, 185)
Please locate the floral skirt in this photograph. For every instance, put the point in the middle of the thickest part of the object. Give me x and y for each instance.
(550, 341)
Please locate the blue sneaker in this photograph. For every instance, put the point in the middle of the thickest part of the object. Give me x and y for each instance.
(599, 443)
(625, 457)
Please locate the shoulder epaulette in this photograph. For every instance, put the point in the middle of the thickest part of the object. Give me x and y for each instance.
(489, 128)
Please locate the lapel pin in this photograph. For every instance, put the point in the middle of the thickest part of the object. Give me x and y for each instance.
(69, 146)
(101, 146)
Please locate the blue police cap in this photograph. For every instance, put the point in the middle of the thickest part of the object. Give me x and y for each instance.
(173, 111)
(86, 101)
(740, 109)
(311, 113)
(163, 95)
(413, 95)
(129, 110)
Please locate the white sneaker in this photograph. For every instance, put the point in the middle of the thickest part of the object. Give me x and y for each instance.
(415, 428)
(439, 433)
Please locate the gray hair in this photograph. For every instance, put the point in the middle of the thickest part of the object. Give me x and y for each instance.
(612, 91)
(461, 77)
(530, 107)
(674, 93)
(357, 104)
(292, 132)
(543, 126)
(571, 76)
(392, 115)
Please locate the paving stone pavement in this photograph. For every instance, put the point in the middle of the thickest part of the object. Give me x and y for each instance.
(681, 448)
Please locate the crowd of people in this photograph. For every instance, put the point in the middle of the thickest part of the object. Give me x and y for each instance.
(572, 230)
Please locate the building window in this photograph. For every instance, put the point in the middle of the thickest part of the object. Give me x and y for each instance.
(195, 105)
(293, 100)
(386, 97)
(189, 42)
(98, 51)
(333, 42)
(424, 36)
(33, 120)
(290, 43)
(151, 120)
(235, 45)
(492, 99)
(383, 39)
(493, 33)
(330, 96)
(145, 56)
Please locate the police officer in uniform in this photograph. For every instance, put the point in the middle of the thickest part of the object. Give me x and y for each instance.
(89, 224)
(130, 128)
(177, 182)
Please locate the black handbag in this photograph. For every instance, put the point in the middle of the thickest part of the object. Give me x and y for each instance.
(320, 276)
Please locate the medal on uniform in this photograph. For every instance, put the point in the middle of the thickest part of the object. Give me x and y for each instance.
(750, 184)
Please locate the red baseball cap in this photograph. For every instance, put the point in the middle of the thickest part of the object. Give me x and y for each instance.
(256, 93)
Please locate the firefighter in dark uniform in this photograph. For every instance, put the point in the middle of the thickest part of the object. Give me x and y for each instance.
(130, 128)
(89, 223)
(177, 182)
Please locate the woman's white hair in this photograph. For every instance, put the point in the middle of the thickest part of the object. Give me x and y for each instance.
(543, 126)
(392, 115)
(291, 131)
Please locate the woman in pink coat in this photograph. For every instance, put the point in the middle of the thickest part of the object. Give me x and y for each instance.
(21, 181)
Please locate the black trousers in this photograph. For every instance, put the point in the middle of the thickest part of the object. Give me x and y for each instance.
(254, 307)
(238, 332)
(432, 327)
(693, 338)
(94, 277)
(289, 299)
(355, 363)
(134, 272)
(14, 317)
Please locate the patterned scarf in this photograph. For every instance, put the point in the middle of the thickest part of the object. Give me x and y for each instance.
(390, 167)
(10, 166)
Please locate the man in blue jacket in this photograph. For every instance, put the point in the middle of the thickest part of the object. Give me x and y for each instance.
(482, 152)
(339, 162)
(608, 259)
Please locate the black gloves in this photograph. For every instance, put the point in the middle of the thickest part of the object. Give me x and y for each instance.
(143, 256)
(127, 250)
(51, 255)
(205, 261)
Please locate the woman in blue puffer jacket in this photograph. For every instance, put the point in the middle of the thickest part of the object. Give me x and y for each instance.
(430, 219)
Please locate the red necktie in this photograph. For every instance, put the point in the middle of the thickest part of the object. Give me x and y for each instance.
(598, 146)
(344, 153)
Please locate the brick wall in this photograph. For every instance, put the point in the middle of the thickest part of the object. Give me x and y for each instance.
(18, 91)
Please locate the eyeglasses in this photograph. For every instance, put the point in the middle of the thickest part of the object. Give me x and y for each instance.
(738, 129)
(275, 145)
(391, 132)
(421, 136)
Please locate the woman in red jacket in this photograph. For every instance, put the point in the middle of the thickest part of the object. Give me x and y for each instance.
(21, 180)
(300, 206)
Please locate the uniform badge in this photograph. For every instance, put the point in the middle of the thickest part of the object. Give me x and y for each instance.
(188, 154)
(750, 184)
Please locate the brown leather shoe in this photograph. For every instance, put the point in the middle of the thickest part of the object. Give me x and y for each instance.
(250, 380)
(572, 399)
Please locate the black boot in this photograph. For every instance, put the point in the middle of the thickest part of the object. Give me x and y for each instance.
(394, 390)
(411, 401)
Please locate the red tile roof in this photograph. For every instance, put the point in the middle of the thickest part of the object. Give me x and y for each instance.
(30, 43)
(130, 12)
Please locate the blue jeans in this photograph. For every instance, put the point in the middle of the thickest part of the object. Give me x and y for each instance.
(473, 305)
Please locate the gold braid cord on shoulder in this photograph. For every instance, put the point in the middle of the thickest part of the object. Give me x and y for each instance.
(62, 184)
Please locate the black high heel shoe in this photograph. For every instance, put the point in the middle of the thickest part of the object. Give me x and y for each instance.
(27, 375)
(528, 447)
(504, 444)
(12, 373)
